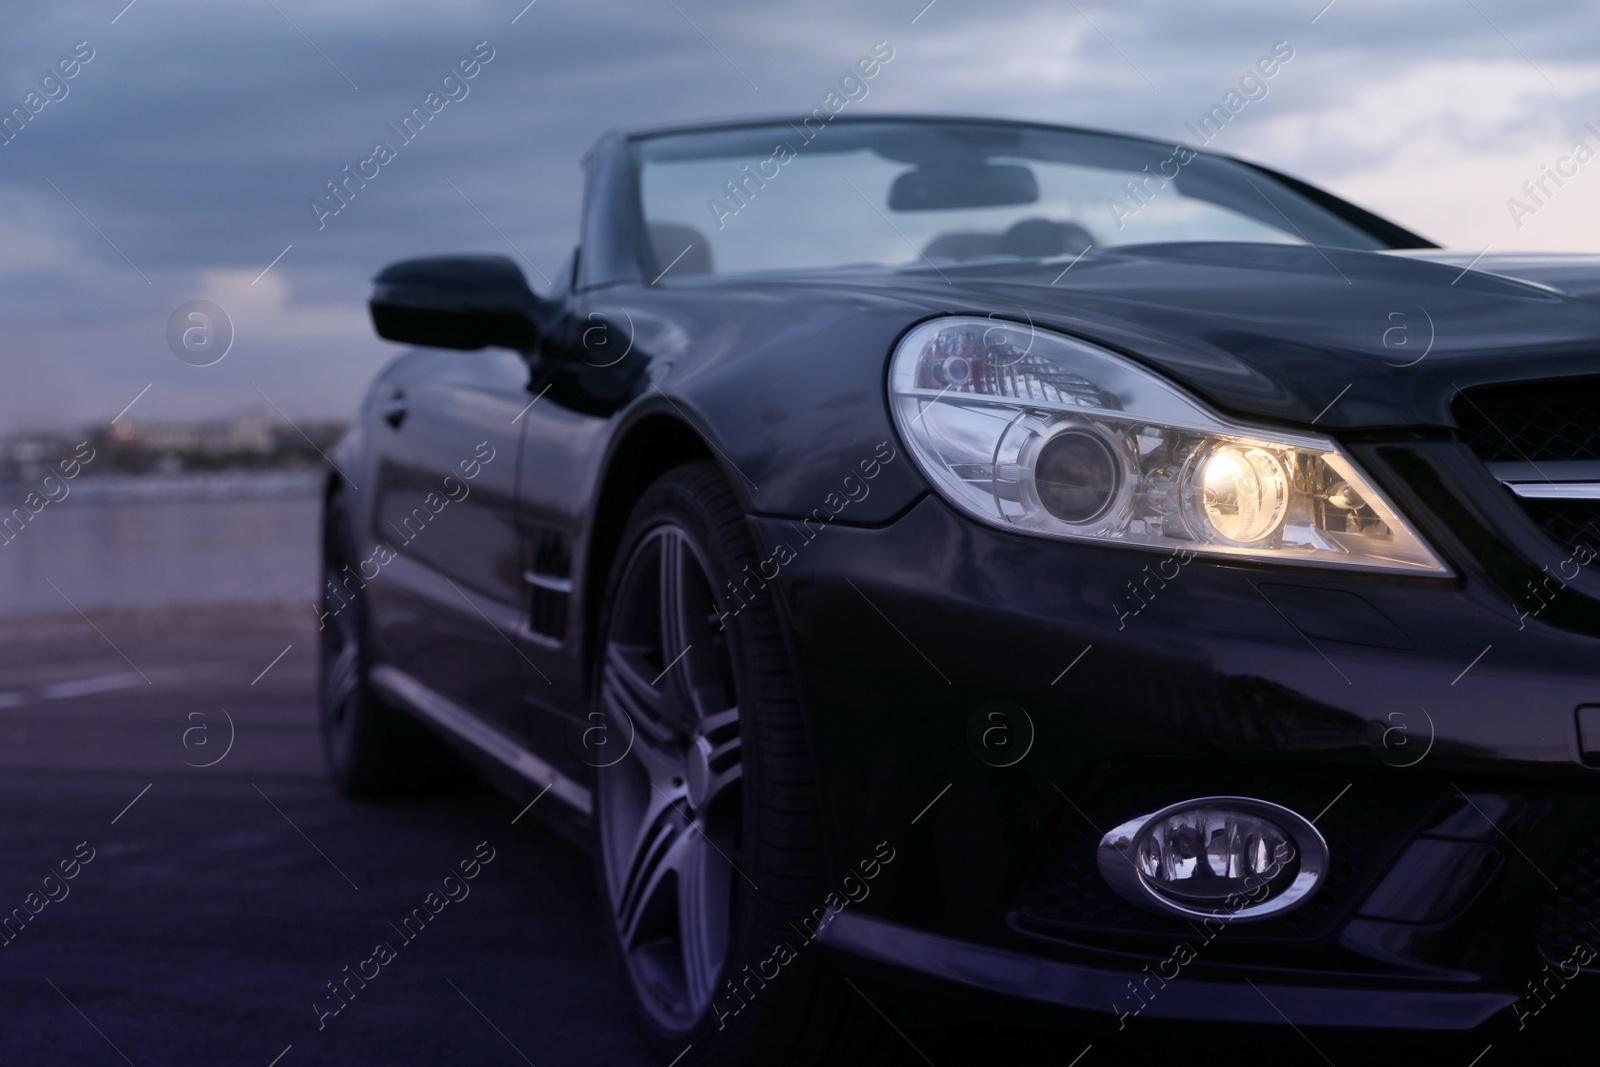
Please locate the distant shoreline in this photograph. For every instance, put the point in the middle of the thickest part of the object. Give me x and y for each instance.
(197, 485)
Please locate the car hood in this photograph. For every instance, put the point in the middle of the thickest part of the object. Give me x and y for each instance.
(1299, 335)
(1575, 274)
(786, 374)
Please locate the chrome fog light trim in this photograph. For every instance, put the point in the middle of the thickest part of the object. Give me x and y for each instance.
(1231, 859)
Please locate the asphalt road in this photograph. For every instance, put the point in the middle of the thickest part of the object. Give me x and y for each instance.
(220, 900)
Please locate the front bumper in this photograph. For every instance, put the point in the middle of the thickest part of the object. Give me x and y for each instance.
(1081, 987)
(1426, 724)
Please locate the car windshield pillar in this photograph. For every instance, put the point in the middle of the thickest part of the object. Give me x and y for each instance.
(613, 227)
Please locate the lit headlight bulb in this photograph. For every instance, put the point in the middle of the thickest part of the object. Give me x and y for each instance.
(1236, 495)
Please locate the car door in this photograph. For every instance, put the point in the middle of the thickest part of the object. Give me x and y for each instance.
(446, 595)
(565, 440)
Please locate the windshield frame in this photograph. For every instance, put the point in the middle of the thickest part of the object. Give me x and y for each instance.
(616, 248)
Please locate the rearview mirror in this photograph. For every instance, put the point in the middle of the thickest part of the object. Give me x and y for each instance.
(465, 302)
(943, 186)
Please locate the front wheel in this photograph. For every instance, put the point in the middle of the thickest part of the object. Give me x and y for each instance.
(709, 852)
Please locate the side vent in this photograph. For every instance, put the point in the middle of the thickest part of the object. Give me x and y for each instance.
(549, 582)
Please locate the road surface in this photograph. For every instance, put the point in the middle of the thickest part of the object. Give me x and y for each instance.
(169, 759)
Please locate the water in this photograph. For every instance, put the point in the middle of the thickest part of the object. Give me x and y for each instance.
(114, 550)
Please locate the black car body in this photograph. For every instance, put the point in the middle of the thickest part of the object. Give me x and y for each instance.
(1435, 727)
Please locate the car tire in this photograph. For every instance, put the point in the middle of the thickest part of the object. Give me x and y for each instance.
(371, 750)
(708, 846)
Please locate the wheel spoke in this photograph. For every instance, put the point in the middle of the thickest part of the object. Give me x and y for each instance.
(722, 732)
(671, 597)
(340, 679)
(655, 854)
(704, 883)
(628, 690)
(691, 642)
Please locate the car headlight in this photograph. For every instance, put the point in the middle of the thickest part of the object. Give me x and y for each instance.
(1043, 434)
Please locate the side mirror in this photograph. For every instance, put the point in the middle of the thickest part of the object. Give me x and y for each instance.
(465, 302)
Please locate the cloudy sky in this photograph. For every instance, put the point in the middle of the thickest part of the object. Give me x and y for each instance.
(179, 161)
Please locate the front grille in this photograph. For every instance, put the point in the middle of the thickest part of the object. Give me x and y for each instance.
(1569, 523)
(1533, 423)
(1571, 915)
(1536, 423)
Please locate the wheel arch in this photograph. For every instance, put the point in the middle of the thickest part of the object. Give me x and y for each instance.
(647, 449)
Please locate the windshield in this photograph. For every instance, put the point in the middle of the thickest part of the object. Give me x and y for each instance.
(921, 194)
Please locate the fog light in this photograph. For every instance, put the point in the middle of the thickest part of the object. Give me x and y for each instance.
(1229, 858)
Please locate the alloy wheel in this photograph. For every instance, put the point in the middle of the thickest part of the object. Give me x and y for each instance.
(670, 811)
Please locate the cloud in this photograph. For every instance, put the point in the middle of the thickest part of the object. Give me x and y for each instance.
(196, 137)
(1441, 145)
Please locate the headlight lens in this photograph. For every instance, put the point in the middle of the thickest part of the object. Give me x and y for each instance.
(1037, 432)
(1077, 474)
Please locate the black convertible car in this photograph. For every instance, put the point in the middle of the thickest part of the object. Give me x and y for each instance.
(1060, 570)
